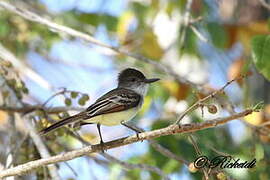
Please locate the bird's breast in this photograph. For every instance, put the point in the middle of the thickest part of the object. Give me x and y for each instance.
(112, 119)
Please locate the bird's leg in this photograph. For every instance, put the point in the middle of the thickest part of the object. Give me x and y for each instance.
(130, 127)
(101, 140)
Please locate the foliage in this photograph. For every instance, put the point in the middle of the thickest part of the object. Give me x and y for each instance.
(261, 54)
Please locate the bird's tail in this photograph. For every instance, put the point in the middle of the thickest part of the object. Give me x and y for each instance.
(61, 123)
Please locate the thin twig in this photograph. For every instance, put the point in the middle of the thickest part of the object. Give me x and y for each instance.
(35, 137)
(200, 101)
(198, 33)
(166, 152)
(195, 145)
(256, 128)
(136, 166)
(198, 151)
(44, 153)
(53, 96)
(22, 68)
(219, 152)
(172, 129)
(31, 108)
(71, 169)
(185, 24)
(265, 4)
(17, 146)
(64, 29)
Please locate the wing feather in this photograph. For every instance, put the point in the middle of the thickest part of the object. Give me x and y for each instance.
(114, 101)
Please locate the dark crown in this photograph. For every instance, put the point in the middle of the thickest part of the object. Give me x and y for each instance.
(129, 72)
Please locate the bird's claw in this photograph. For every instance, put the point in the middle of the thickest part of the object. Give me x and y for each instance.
(137, 134)
(102, 147)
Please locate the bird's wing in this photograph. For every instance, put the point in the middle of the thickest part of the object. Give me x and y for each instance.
(114, 101)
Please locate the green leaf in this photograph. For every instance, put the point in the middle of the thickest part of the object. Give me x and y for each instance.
(68, 101)
(74, 94)
(217, 34)
(85, 97)
(261, 54)
(258, 107)
(259, 152)
(65, 115)
(4, 28)
(25, 90)
(96, 19)
(140, 11)
(171, 166)
(81, 101)
(190, 44)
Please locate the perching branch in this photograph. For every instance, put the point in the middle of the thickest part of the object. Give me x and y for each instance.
(124, 164)
(172, 129)
(164, 151)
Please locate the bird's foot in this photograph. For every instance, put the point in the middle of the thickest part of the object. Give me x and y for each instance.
(138, 137)
(102, 146)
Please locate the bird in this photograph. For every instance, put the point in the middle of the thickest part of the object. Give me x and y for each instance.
(116, 107)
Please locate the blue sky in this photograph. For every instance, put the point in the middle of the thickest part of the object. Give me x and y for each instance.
(112, 7)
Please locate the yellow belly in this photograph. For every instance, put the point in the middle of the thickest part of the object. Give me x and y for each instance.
(113, 119)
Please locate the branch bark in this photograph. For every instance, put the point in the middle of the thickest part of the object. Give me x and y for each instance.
(35, 137)
(124, 164)
(31, 108)
(172, 129)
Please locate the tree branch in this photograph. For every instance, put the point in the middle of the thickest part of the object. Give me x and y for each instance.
(42, 149)
(200, 101)
(172, 129)
(31, 108)
(124, 164)
(164, 151)
(35, 137)
(22, 68)
(185, 24)
(264, 4)
(64, 29)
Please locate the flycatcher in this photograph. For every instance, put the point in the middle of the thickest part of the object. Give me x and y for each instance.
(115, 107)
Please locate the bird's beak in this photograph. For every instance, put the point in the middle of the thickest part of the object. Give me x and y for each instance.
(151, 80)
